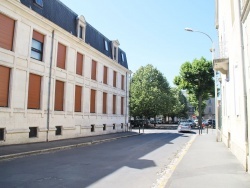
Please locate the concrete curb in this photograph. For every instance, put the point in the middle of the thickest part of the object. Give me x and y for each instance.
(41, 151)
(168, 171)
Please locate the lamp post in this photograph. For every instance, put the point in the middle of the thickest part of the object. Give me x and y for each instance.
(215, 80)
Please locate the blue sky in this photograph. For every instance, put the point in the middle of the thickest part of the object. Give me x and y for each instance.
(152, 31)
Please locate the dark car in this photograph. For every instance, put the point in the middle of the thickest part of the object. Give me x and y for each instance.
(211, 122)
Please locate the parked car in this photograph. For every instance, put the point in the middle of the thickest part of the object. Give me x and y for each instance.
(204, 123)
(196, 122)
(184, 127)
(192, 123)
(211, 122)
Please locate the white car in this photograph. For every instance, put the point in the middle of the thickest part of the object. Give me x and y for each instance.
(184, 127)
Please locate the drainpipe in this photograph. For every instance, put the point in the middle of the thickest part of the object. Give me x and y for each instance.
(49, 85)
(244, 83)
(126, 112)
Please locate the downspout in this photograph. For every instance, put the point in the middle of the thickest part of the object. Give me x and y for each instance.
(126, 113)
(49, 85)
(244, 83)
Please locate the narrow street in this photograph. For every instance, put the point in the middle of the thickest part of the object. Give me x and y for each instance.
(128, 162)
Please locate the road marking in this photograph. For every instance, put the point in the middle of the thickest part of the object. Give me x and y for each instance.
(168, 171)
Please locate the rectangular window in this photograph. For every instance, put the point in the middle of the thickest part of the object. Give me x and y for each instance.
(104, 127)
(34, 91)
(61, 56)
(6, 32)
(59, 95)
(93, 70)
(122, 106)
(115, 49)
(122, 57)
(33, 132)
(114, 79)
(92, 128)
(106, 45)
(58, 130)
(105, 75)
(104, 103)
(122, 82)
(1, 134)
(92, 101)
(114, 104)
(80, 32)
(4, 85)
(37, 46)
(79, 64)
(78, 98)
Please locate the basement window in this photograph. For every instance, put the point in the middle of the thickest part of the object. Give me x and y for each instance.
(92, 128)
(58, 130)
(1, 134)
(33, 132)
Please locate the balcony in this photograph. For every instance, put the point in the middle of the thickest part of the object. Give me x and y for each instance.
(221, 60)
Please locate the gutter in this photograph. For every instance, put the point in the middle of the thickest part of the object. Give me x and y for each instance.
(49, 85)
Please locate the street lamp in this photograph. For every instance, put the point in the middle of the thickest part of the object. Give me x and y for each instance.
(212, 51)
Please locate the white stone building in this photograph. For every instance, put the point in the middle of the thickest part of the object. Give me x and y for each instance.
(59, 77)
(233, 24)
(209, 111)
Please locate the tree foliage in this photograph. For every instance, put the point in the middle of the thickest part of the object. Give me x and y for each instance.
(149, 92)
(178, 104)
(197, 79)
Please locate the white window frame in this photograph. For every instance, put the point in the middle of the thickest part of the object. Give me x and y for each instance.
(81, 22)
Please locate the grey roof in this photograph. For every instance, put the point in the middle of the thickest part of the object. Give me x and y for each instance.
(61, 15)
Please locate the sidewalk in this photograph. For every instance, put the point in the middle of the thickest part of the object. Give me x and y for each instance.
(11, 151)
(208, 164)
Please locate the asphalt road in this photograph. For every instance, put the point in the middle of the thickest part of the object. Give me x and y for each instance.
(128, 162)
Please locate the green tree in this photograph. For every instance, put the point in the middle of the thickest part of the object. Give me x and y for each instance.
(178, 104)
(148, 93)
(197, 79)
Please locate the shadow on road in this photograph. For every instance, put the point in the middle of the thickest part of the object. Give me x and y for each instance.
(85, 165)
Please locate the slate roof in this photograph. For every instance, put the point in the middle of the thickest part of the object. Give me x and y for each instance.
(61, 15)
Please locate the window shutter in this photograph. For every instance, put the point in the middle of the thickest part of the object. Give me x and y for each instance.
(122, 101)
(34, 91)
(104, 105)
(59, 94)
(61, 56)
(92, 101)
(105, 75)
(4, 85)
(122, 82)
(93, 73)
(78, 98)
(114, 79)
(7, 26)
(79, 64)
(38, 36)
(114, 104)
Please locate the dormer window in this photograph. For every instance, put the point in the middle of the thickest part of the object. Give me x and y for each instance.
(115, 52)
(122, 57)
(39, 3)
(81, 27)
(106, 45)
(115, 45)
